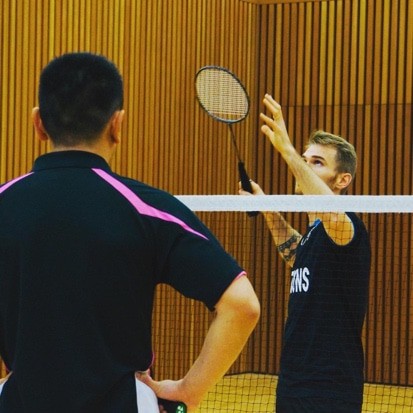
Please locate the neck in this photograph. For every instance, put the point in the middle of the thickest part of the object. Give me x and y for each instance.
(98, 149)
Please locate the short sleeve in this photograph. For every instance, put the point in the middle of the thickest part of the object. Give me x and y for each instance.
(194, 262)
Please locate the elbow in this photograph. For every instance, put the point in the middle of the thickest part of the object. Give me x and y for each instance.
(251, 312)
(241, 305)
(255, 310)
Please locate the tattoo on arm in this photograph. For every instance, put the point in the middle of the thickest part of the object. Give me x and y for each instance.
(288, 248)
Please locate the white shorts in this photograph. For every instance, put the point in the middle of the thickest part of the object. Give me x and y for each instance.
(146, 399)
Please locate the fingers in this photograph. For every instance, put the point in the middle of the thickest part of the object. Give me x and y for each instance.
(274, 126)
(273, 106)
(266, 130)
(145, 377)
(275, 121)
(141, 375)
(269, 101)
(256, 189)
(241, 190)
(266, 118)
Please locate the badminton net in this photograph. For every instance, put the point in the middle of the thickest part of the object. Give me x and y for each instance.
(180, 325)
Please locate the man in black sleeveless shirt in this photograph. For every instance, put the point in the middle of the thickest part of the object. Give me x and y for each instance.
(321, 368)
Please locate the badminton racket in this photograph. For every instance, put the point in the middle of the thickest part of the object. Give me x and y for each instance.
(223, 97)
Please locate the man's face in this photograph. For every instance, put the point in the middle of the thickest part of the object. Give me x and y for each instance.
(322, 160)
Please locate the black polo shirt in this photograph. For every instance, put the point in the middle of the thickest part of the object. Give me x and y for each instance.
(81, 252)
(322, 355)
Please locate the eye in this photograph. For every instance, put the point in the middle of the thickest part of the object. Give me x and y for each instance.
(317, 162)
(313, 161)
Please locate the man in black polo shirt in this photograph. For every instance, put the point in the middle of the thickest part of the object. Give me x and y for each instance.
(81, 252)
(322, 355)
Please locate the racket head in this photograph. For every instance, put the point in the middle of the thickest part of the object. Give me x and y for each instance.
(221, 94)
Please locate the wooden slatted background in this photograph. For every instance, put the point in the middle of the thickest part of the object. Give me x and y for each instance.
(345, 66)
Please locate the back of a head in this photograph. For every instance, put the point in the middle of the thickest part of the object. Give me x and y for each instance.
(78, 94)
(346, 154)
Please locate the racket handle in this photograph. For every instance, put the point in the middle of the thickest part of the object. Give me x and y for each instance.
(246, 184)
(172, 407)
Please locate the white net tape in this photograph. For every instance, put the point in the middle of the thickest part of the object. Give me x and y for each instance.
(300, 203)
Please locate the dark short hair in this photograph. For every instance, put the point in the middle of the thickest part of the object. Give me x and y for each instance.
(346, 156)
(78, 94)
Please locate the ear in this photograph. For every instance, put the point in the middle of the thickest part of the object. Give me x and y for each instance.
(38, 125)
(343, 181)
(116, 125)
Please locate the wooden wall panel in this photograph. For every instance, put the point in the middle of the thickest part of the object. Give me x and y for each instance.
(353, 68)
(344, 65)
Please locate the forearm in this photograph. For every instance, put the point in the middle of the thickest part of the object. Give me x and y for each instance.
(285, 237)
(309, 182)
(280, 229)
(3, 379)
(225, 339)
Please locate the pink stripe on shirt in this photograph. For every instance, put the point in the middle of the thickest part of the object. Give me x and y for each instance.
(13, 181)
(240, 275)
(141, 206)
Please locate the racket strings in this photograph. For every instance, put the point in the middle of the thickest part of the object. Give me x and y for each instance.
(221, 95)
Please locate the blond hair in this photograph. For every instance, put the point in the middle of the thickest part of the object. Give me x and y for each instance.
(346, 156)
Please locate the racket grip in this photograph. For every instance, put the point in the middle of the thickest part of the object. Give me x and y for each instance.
(173, 407)
(246, 184)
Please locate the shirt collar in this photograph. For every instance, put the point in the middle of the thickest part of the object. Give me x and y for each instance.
(74, 159)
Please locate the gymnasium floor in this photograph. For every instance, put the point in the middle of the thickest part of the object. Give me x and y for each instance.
(255, 393)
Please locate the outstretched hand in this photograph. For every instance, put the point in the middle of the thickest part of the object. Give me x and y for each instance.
(274, 127)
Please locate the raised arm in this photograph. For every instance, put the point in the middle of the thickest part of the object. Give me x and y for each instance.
(337, 225)
(237, 313)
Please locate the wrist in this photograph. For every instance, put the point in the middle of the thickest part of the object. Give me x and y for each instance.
(290, 154)
(190, 394)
